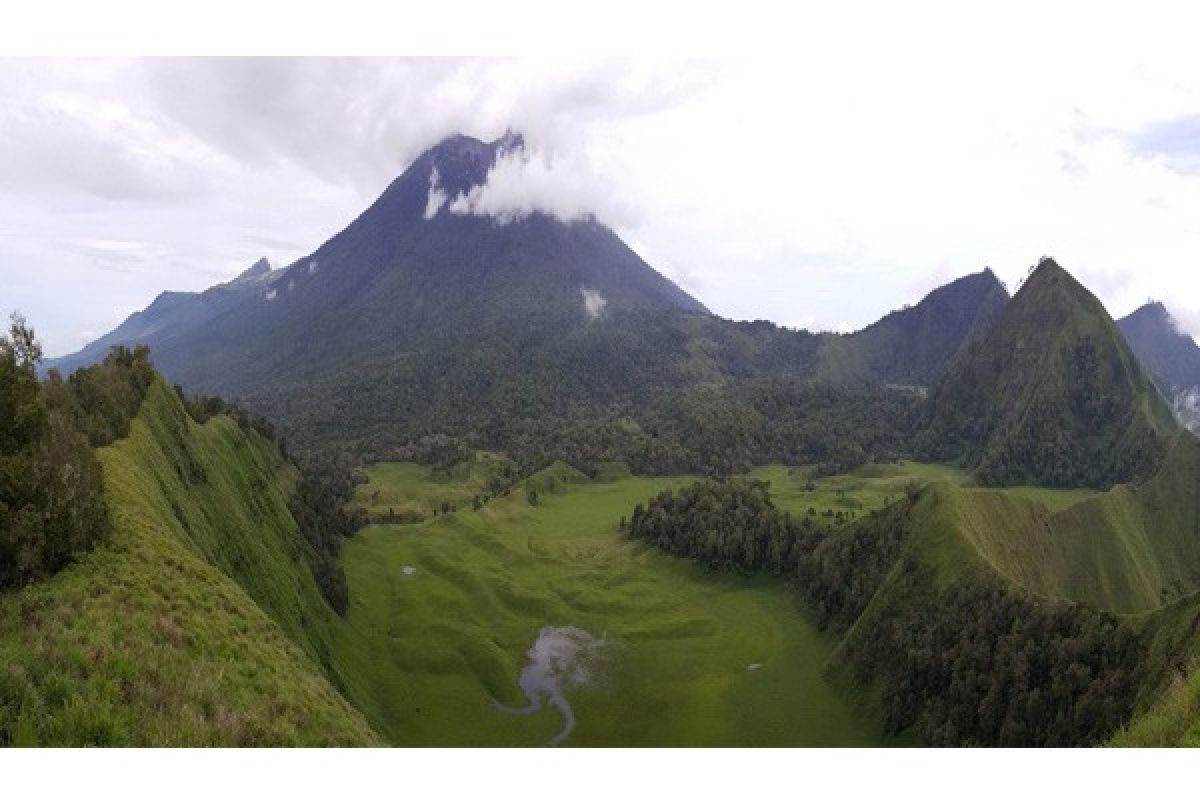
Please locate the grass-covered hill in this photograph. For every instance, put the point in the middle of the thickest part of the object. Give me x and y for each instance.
(1052, 396)
(197, 623)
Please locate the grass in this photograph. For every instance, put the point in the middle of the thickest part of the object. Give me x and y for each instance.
(429, 651)
(198, 624)
(866, 489)
(1129, 550)
(397, 488)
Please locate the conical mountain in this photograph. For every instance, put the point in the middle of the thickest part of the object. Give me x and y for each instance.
(410, 285)
(1170, 355)
(1052, 396)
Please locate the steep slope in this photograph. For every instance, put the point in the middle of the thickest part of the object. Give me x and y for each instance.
(1170, 356)
(198, 624)
(1051, 396)
(397, 277)
(913, 346)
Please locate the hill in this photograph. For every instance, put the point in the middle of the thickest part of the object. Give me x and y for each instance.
(1170, 356)
(199, 623)
(1052, 396)
(913, 346)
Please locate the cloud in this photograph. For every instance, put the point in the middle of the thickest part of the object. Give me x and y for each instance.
(821, 185)
(526, 180)
(594, 303)
(437, 195)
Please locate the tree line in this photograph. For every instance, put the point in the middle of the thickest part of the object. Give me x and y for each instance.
(52, 506)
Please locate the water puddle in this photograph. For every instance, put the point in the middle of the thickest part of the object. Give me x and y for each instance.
(560, 658)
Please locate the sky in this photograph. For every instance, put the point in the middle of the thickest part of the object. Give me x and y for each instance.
(817, 187)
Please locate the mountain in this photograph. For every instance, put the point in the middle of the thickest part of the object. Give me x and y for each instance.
(419, 319)
(400, 285)
(912, 346)
(1170, 356)
(1051, 396)
(396, 276)
(172, 316)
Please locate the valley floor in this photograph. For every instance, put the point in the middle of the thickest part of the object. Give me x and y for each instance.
(443, 614)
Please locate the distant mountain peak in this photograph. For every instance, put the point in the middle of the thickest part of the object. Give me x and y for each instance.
(1169, 354)
(256, 270)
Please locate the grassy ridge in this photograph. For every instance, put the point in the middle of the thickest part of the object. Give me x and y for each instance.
(1130, 549)
(197, 625)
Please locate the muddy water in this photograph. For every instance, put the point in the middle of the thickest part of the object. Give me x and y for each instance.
(558, 659)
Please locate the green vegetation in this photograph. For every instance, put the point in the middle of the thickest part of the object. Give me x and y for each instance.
(427, 651)
(197, 623)
(52, 505)
(942, 646)
(406, 492)
(1052, 396)
(1130, 549)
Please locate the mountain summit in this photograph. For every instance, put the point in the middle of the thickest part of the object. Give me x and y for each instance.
(1170, 356)
(411, 285)
(1051, 396)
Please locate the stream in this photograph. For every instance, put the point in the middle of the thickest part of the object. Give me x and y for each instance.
(559, 658)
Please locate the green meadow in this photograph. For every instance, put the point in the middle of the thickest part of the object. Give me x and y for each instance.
(443, 614)
(200, 624)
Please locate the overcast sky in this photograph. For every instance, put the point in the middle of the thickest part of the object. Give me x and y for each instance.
(820, 189)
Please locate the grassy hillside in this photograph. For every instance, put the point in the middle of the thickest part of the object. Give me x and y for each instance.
(1130, 549)
(198, 624)
(443, 614)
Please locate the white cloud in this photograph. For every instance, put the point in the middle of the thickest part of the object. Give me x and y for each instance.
(527, 179)
(594, 303)
(437, 195)
(829, 185)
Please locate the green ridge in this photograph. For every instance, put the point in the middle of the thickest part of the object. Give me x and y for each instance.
(198, 624)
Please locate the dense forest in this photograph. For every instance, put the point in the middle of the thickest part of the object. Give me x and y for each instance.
(974, 663)
(709, 430)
